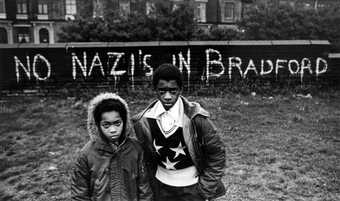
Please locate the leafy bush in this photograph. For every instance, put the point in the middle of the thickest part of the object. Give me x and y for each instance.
(218, 33)
(164, 23)
(288, 23)
(167, 23)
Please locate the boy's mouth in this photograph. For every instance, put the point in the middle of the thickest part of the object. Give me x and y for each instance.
(168, 104)
(114, 136)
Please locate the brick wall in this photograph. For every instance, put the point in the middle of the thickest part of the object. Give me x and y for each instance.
(202, 63)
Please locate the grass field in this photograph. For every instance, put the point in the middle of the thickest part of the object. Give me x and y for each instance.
(278, 148)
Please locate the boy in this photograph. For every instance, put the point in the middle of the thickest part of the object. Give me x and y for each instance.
(110, 166)
(184, 154)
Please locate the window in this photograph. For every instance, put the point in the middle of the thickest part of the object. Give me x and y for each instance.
(320, 5)
(175, 6)
(149, 7)
(134, 6)
(71, 7)
(44, 36)
(23, 38)
(229, 11)
(2, 9)
(2, 6)
(42, 7)
(3, 35)
(307, 5)
(124, 7)
(200, 12)
(22, 10)
(23, 35)
(21, 6)
(98, 9)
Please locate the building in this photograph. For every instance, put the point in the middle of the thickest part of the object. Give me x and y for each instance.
(102, 8)
(218, 12)
(36, 21)
(207, 12)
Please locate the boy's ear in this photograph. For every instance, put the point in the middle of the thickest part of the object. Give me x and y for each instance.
(98, 128)
(154, 85)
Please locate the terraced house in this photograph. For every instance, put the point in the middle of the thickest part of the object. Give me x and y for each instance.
(207, 12)
(38, 21)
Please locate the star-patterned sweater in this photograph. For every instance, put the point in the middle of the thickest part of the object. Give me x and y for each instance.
(175, 166)
(202, 139)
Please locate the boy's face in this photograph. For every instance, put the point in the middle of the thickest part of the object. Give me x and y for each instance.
(168, 93)
(111, 125)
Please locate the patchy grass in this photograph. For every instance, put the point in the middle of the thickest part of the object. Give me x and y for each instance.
(278, 148)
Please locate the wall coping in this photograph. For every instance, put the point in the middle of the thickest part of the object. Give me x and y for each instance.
(167, 43)
(334, 55)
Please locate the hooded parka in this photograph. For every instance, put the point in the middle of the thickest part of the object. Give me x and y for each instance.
(107, 172)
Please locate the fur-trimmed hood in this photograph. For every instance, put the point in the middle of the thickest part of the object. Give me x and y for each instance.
(91, 124)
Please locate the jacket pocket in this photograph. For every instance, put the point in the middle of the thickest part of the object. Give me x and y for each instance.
(101, 183)
(220, 191)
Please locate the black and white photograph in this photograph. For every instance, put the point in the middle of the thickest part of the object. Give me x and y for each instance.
(169, 100)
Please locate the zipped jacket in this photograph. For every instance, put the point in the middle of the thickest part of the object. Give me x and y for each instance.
(204, 145)
(105, 172)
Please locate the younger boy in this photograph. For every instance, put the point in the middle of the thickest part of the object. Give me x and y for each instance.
(110, 166)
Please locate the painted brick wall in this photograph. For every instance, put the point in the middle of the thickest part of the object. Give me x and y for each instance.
(202, 63)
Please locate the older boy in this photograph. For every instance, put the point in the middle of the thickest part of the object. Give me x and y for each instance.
(184, 155)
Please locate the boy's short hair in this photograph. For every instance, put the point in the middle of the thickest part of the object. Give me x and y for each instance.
(167, 72)
(109, 105)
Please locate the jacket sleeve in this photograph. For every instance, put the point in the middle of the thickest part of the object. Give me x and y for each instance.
(212, 151)
(140, 131)
(80, 180)
(144, 188)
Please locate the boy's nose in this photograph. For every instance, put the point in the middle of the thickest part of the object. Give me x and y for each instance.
(167, 95)
(113, 129)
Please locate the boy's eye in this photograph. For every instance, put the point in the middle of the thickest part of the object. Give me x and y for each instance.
(170, 90)
(117, 123)
(108, 124)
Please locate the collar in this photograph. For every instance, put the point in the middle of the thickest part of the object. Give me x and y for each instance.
(105, 146)
(191, 109)
(176, 111)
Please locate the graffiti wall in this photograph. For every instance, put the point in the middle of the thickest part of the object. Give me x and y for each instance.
(201, 63)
